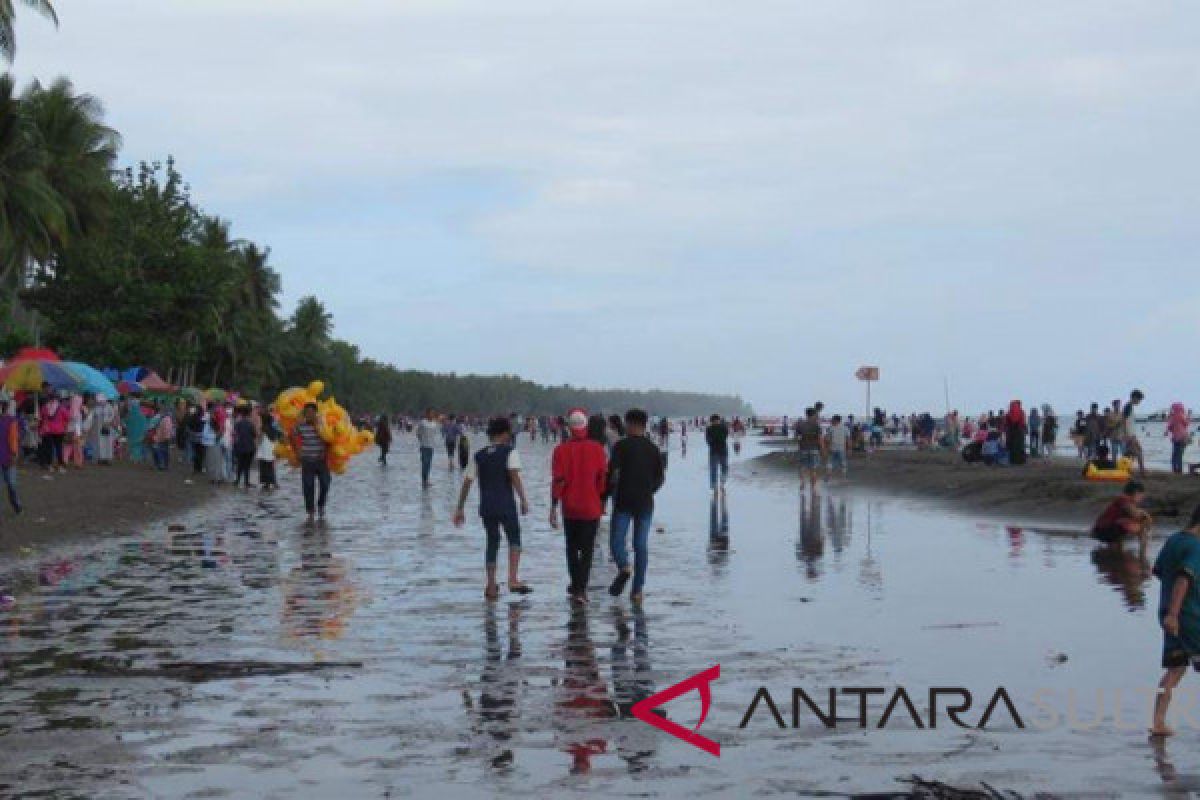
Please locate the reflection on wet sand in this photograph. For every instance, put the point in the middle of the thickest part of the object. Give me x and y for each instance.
(500, 683)
(870, 569)
(718, 528)
(319, 597)
(632, 683)
(810, 544)
(582, 697)
(1124, 570)
(821, 516)
(1175, 784)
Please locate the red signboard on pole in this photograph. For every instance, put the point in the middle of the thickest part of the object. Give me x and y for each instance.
(867, 373)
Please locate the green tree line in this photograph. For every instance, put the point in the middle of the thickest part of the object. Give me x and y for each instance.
(121, 267)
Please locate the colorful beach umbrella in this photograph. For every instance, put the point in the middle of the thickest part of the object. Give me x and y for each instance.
(216, 395)
(129, 387)
(91, 380)
(194, 395)
(28, 375)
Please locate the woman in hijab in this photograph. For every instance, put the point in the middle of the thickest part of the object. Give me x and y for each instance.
(135, 431)
(1179, 424)
(1015, 429)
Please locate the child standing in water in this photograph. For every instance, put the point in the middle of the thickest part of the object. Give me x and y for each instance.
(497, 467)
(1177, 567)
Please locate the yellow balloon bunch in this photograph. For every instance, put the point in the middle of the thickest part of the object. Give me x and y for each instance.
(343, 440)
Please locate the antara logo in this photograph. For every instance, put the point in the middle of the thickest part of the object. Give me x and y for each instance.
(701, 682)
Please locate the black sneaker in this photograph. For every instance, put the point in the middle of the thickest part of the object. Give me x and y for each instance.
(618, 584)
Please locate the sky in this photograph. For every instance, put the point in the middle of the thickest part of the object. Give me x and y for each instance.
(753, 197)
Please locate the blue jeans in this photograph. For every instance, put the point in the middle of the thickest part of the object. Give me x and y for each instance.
(1177, 449)
(426, 464)
(9, 476)
(162, 455)
(717, 463)
(641, 543)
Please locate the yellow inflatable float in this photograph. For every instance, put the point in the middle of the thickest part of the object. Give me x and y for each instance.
(343, 439)
(1122, 473)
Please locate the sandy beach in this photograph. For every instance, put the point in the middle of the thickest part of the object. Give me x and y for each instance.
(94, 501)
(1050, 491)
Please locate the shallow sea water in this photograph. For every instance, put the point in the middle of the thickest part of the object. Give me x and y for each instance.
(434, 692)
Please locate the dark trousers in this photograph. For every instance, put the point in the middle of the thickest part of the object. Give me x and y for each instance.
(426, 464)
(581, 543)
(198, 457)
(312, 473)
(162, 455)
(52, 450)
(9, 476)
(243, 462)
(1177, 450)
(266, 474)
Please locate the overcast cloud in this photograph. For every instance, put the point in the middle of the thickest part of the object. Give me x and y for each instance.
(751, 197)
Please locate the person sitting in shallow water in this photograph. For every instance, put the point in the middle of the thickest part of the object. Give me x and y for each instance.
(1124, 517)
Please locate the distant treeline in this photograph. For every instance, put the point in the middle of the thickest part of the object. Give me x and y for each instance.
(122, 268)
(369, 386)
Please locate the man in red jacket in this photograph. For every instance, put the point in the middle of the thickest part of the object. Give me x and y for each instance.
(580, 477)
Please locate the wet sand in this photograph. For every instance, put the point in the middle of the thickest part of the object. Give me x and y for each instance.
(1047, 491)
(93, 501)
(252, 655)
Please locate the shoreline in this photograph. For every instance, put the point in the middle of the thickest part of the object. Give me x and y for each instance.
(1045, 491)
(94, 502)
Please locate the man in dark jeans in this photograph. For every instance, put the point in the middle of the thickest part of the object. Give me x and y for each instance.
(635, 473)
(310, 447)
(717, 437)
(195, 431)
(580, 477)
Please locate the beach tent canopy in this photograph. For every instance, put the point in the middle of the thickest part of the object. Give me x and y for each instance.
(151, 382)
(145, 377)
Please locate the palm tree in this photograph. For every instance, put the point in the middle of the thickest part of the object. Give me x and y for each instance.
(311, 324)
(307, 341)
(32, 219)
(251, 331)
(80, 150)
(8, 37)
